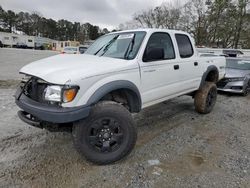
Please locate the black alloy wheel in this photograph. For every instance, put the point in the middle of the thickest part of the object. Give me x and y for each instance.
(105, 135)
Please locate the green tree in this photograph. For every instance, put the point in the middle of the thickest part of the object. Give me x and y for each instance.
(2, 13)
(37, 25)
(241, 16)
(9, 20)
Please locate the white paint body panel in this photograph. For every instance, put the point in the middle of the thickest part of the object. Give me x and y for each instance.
(157, 81)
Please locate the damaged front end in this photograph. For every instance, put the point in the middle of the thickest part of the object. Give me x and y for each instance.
(41, 103)
(34, 88)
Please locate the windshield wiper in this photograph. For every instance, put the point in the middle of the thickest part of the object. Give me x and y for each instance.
(99, 50)
(106, 45)
(109, 44)
(130, 46)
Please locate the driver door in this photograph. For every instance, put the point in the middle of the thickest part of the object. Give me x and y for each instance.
(159, 77)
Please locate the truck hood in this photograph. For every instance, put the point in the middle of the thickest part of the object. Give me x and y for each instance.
(64, 68)
(232, 73)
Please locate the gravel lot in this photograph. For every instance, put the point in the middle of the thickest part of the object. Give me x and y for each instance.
(176, 147)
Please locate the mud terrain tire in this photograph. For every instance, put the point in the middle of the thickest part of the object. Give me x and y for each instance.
(205, 98)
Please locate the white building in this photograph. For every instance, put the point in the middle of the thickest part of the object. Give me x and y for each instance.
(11, 39)
(60, 45)
(42, 41)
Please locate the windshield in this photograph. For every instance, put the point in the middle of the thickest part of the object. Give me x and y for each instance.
(238, 64)
(117, 45)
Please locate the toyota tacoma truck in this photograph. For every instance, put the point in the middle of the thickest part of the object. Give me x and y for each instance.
(121, 73)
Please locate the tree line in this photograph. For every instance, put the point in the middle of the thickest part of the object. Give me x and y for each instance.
(36, 25)
(213, 23)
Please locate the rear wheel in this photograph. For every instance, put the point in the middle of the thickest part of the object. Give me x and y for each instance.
(205, 98)
(107, 135)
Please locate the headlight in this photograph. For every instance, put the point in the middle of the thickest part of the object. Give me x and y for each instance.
(60, 93)
(53, 93)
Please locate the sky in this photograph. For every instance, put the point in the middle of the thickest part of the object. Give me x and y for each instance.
(104, 13)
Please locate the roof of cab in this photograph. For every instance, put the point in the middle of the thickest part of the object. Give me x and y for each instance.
(152, 30)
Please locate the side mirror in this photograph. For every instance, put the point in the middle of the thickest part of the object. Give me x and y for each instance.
(154, 54)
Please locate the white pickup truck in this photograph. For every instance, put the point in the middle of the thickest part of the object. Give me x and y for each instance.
(120, 73)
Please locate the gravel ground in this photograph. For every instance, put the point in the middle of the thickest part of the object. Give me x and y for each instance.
(176, 147)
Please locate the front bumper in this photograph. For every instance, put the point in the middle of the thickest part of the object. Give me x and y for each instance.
(49, 113)
(232, 87)
(231, 90)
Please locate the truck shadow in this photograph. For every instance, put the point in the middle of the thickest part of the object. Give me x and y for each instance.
(164, 111)
(163, 117)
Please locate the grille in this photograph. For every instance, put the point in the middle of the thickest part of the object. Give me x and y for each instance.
(222, 83)
(34, 89)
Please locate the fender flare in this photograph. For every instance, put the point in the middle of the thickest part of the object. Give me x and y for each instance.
(205, 74)
(115, 85)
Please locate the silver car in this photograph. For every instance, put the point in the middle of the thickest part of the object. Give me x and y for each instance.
(70, 50)
(237, 78)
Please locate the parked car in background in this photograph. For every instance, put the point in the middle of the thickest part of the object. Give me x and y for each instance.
(70, 50)
(1, 44)
(21, 45)
(208, 55)
(82, 49)
(211, 55)
(39, 47)
(232, 53)
(237, 78)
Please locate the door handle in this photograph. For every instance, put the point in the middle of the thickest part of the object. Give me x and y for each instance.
(195, 63)
(176, 67)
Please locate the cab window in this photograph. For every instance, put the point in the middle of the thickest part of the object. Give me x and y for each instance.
(184, 45)
(162, 41)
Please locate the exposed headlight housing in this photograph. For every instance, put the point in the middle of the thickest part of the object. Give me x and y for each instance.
(58, 93)
(26, 78)
(53, 93)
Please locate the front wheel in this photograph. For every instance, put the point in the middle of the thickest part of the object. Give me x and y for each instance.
(245, 91)
(205, 98)
(107, 135)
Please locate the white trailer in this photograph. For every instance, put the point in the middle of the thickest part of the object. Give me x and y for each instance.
(11, 39)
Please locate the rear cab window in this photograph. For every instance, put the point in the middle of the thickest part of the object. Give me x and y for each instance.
(184, 45)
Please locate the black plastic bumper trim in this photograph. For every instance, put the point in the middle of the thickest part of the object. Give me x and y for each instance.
(53, 114)
(23, 116)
